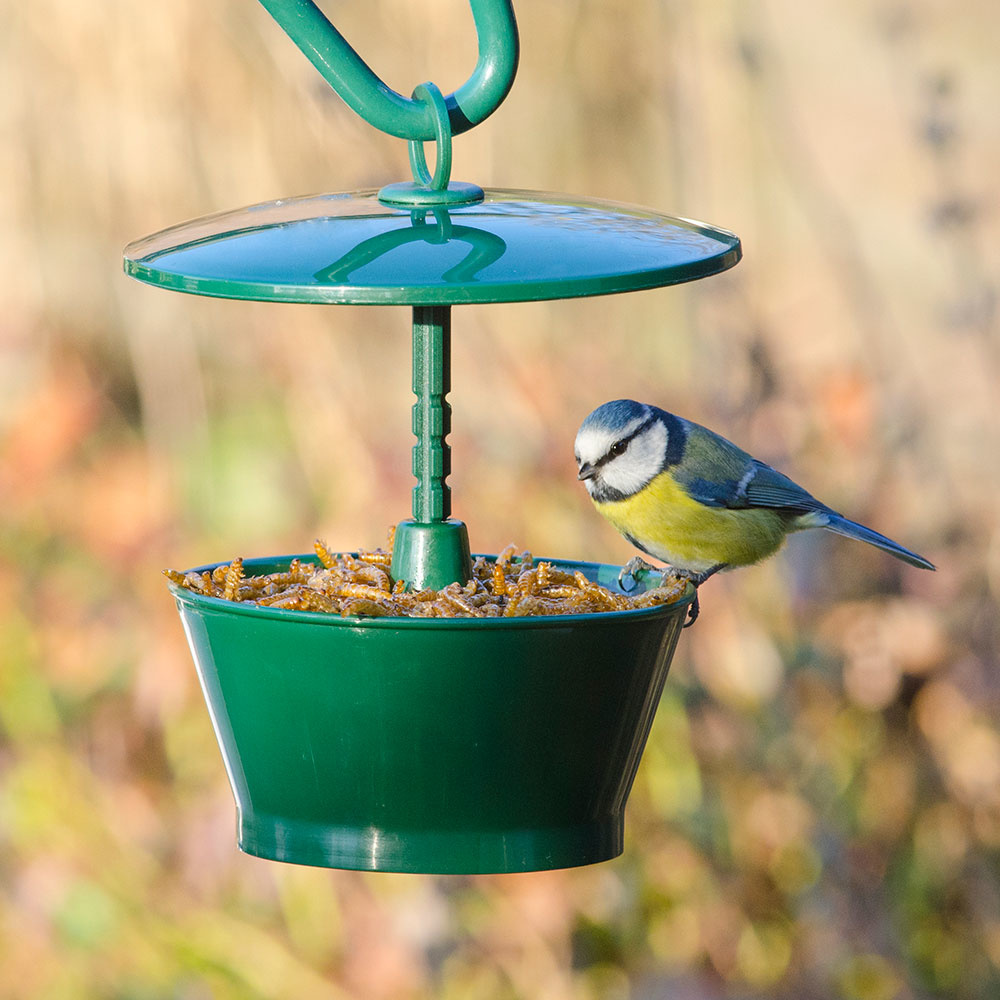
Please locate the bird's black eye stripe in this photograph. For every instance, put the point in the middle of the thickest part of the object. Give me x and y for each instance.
(620, 447)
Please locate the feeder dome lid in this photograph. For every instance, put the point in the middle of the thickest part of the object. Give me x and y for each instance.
(511, 246)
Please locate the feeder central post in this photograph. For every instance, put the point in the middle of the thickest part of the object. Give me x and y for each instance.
(432, 550)
(431, 412)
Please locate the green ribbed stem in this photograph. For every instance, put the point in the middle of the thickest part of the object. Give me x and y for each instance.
(431, 550)
(431, 412)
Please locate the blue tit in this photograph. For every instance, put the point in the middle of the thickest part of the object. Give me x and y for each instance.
(688, 497)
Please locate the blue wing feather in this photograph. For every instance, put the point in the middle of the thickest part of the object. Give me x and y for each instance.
(717, 473)
(712, 469)
(767, 487)
(712, 494)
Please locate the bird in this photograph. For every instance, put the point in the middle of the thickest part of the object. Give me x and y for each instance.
(692, 499)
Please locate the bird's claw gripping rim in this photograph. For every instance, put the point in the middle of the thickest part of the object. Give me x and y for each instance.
(637, 569)
(694, 608)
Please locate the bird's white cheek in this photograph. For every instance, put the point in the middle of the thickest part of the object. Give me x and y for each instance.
(625, 477)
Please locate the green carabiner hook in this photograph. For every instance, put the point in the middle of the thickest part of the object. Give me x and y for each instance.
(382, 106)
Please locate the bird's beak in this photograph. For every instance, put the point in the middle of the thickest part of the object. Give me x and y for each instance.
(587, 471)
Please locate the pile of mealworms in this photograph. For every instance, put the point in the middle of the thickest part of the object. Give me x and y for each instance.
(512, 585)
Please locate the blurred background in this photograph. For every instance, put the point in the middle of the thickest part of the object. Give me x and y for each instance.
(817, 814)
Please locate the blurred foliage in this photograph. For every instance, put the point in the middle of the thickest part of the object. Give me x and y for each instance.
(818, 811)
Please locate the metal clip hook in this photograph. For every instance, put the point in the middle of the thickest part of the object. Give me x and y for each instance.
(383, 107)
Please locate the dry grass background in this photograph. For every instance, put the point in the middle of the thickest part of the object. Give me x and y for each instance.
(818, 811)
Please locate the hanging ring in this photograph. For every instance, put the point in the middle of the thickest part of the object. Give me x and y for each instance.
(429, 94)
(427, 189)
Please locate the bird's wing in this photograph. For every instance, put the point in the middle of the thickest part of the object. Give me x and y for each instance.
(766, 487)
(717, 473)
(712, 470)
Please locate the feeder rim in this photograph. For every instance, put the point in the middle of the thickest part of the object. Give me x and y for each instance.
(595, 619)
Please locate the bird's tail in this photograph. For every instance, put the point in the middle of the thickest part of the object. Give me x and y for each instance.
(851, 529)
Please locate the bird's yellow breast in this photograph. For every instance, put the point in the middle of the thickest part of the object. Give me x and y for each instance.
(689, 535)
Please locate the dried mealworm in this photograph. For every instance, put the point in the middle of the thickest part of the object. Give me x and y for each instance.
(374, 575)
(508, 553)
(376, 558)
(458, 599)
(234, 574)
(362, 591)
(328, 560)
(364, 608)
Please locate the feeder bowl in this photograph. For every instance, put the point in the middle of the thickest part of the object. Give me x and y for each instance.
(430, 744)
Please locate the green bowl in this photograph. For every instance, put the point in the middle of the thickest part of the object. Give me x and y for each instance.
(461, 745)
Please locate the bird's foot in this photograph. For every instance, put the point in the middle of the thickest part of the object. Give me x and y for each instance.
(694, 609)
(636, 570)
(696, 580)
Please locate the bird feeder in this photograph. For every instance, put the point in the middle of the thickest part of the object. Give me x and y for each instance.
(428, 745)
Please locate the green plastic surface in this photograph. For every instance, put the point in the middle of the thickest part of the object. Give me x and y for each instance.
(430, 555)
(431, 551)
(350, 248)
(409, 195)
(430, 745)
(431, 416)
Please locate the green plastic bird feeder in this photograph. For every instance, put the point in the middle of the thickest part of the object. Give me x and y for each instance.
(428, 745)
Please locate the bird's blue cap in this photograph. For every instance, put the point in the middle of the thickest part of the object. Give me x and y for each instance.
(617, 413)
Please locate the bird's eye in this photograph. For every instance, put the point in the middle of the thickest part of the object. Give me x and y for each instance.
(618, 448)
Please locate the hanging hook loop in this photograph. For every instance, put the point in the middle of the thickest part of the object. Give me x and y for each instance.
(429, 189)
(429, 94)
(380, 105)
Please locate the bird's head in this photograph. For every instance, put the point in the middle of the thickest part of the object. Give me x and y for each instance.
(620, 448)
